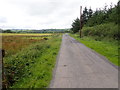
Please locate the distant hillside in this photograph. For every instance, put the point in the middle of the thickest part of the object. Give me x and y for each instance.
(35, 31)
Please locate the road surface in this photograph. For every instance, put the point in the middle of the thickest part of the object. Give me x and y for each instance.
(80, 67)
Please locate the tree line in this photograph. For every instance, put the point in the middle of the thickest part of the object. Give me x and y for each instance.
(35, 31)
(92, 18)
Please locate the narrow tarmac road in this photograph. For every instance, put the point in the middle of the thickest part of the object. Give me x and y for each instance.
(80, 67)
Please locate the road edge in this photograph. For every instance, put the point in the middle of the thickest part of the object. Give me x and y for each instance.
(55, 68)
(101, 56)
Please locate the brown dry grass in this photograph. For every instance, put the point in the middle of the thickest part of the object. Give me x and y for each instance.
(14, 44)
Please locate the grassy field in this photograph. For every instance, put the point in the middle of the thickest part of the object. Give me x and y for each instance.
(109, 49)
(25, 34)
(12, 43)
(29, 60)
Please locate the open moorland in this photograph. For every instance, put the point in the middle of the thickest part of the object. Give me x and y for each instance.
(29, 57)
(12, 43)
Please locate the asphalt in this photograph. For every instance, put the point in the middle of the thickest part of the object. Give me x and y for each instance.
(80, 67)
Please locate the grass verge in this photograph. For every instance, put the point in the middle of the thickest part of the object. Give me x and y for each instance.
(104, 47)
(32, 67)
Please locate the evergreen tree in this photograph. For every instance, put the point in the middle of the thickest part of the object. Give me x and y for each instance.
(76, 25)
(90, 12)
(85, 15)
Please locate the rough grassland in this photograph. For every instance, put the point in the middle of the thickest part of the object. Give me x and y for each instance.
(105, 48)
(32, 67)
(14, 44)
(25, 34)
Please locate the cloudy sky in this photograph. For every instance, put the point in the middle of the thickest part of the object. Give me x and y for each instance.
(43, 14)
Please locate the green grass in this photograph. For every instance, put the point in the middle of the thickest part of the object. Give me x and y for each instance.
(37, 37)
(104, 47)
(25, 34)
(32, 67)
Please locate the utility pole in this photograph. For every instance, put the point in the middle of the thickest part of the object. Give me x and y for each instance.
(80, 21)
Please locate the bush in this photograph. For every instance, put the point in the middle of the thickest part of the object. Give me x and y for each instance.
(109, 30)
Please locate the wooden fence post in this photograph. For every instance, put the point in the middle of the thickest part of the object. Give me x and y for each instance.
(0, 69)
(2, 54)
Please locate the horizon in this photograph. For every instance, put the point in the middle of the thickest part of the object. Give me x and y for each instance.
(35, 29)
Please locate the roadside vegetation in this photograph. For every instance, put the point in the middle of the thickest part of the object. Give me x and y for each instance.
(100, 30)
(29, 61)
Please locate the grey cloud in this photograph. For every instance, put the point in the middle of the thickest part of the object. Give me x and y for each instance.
(44, 8)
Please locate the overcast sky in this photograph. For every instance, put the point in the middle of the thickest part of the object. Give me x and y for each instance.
(43, 14)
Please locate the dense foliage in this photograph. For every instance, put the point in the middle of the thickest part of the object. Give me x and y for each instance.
(105, 15)
(101, 23)
(109, 30)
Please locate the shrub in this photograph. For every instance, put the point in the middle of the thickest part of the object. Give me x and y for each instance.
(109, 30)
